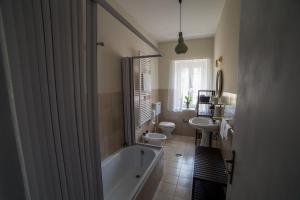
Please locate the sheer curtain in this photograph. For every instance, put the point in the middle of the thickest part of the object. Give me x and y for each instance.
(186, 78)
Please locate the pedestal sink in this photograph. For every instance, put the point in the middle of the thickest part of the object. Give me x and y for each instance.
(206, 125)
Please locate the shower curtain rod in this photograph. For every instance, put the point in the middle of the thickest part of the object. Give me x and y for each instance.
(147, 56)
(126, 23)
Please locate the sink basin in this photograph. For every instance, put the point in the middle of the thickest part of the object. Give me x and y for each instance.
(206, 125)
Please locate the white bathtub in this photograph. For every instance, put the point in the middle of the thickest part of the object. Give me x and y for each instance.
(125, 172)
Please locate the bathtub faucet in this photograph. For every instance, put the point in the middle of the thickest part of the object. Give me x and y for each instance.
(142, 158)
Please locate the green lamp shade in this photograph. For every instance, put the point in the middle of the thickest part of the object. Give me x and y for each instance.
(181, 46)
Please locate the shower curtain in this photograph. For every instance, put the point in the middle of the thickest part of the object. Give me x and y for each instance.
(128, 98)
(50, 52)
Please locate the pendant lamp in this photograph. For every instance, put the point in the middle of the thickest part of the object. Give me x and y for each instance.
(181, 46)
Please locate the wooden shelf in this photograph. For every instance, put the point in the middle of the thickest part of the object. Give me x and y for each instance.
(204, 103)
(209, 93)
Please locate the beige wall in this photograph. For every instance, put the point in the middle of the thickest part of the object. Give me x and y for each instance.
(118, 42)
(227, 44)
(198, 48)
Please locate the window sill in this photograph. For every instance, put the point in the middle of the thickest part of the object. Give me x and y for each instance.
(184, 109)
(188, 110)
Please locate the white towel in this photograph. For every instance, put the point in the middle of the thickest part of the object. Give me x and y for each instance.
(224, 129)
(227, 128)
(147, 82)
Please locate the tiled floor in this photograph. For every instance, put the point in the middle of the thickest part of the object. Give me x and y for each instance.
(177, 181)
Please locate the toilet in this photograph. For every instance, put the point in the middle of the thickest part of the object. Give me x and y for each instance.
(155, 138)
(167, 128)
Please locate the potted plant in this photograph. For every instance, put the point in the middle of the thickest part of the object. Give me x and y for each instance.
(188, 100)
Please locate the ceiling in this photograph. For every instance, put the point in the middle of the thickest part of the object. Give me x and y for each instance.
(160, 18)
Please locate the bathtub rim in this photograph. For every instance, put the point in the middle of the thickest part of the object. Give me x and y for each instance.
(150, 169)
(158, 151)
(150, 146)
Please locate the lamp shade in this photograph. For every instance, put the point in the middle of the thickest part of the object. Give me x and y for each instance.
(181, 46)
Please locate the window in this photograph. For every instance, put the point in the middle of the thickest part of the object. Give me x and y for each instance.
(186, 78)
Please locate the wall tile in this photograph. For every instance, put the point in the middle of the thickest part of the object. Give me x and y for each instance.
(179, 118)
(111, 123)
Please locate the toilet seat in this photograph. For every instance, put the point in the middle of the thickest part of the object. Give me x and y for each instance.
(167, 128)
(156, 136)
(167, 124)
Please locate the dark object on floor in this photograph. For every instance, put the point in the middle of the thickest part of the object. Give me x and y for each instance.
(209, 165)
(207, 190)
(209, 179)
(178, 155)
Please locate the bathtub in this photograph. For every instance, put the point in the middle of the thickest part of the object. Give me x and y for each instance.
(132, 172)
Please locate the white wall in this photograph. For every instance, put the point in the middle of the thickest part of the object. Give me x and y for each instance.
(267, 119)
(119, 42)
(227, 44)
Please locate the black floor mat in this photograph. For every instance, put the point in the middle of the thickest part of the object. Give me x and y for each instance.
(208, 190)
(209, 179)
(209, 165)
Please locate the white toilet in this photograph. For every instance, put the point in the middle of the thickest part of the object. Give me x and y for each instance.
(155, 138)
(167, 128)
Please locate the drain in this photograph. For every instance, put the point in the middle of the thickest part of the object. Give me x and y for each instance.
(178, 155)
(137, 176)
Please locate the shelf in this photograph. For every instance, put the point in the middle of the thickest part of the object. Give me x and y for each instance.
(217, 118)
(205, 114)
(204, 103)
(209, 93)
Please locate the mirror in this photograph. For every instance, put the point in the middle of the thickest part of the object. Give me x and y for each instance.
(219, 84)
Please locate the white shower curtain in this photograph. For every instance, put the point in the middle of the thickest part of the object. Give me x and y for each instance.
(186, 78)
(51, 65)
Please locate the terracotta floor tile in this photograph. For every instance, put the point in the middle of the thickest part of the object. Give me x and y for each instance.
(187, 166)
(170, 179)
(172, 171)
(163, 196)
(167, 188)
(185, 182)
(176, 183)
(174, 164)
(186, 174)
(182, 192)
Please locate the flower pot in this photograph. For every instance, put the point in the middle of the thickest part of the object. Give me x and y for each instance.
(187, 105)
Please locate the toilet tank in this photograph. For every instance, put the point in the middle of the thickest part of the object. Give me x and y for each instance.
(156, 107)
